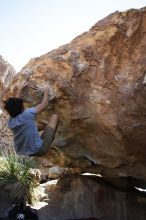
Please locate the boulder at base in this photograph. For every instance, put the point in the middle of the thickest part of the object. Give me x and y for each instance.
(82, 197)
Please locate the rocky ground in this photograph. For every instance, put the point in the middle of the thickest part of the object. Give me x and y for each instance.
(81, 197)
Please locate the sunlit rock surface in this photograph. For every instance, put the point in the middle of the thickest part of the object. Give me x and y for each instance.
(57, 172)
(7, 73)
(98, 88)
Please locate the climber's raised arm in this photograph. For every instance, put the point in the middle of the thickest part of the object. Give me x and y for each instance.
(40, 107)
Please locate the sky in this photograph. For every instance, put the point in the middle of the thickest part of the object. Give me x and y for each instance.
(31, 28)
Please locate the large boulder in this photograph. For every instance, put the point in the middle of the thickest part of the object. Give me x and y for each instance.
(98, 88)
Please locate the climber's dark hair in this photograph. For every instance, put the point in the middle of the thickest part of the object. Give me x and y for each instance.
(14, 106)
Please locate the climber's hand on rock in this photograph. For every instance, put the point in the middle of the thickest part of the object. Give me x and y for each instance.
(46, 89)
(19, 89)
(22, 85)
(44, 103)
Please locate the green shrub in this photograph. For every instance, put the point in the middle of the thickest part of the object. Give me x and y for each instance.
(16, 178)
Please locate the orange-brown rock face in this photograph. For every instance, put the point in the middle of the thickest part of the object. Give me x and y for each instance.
(98, 89)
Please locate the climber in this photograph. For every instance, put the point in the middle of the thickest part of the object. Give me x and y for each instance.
(27, 140)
